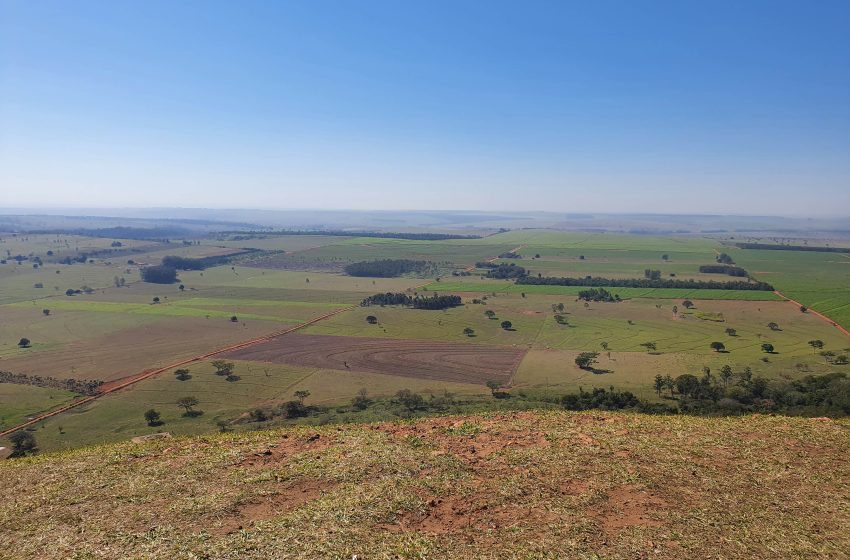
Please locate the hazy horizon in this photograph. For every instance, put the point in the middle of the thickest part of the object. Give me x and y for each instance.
(616, 108)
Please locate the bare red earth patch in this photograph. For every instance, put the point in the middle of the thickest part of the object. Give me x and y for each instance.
(444, 361)
(628, 506)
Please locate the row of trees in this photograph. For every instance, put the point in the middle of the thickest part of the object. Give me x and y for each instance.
(728, 269)
(79, 386)
(644, 283)
(598, 294)
(506, 271)
(417, 302)
(778, 247)
(388, 268)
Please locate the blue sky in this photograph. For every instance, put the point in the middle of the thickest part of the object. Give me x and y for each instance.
(711, 107)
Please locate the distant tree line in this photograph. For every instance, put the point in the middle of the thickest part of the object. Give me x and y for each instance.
(510, 255)
(201, 263)
(505, 271)
(644, 283)
(777, 247)
(341, 233)
(598, 294)
(417, 302)
(160, 234)
(80, 386)
(159, 274)
(388, 268)
(729, 269)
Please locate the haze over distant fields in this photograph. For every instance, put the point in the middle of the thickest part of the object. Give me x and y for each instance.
(662, 107)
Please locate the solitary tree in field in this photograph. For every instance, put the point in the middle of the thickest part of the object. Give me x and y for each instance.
(188, 403)
(816, 344)
(468, 331)
(24, 343)
(152, 417)
(718, 346)
(234, 319)
(181, 287)
(490, 313)
(773, 326)
(650, 346)
(687, 304)
(675, 309)
(767, 347)
(493, 386)
(371, 319)
(585, 360)
(507, 325)
(658, 385)
(731, 332)
(604, 345)
(156, 299)
(301, 395)
(182, 374)
(665, 257)
(726, 375)
(803, 309)
(46, 312)
(23, 442)
(223, 368)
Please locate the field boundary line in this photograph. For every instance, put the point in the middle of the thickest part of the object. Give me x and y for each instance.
(132, 380)
(812, 311)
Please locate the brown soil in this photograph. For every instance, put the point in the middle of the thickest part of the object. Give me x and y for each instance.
(464, 363)
(274, 505)
(629, 506)
(283, 450)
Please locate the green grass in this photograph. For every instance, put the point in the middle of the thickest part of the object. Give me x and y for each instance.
(19, 402)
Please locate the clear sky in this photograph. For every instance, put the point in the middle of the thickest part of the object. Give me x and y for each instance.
(680, 106)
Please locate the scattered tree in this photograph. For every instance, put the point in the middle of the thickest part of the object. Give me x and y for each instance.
(773, 326)
(156, 299)
(234, 319)
(46, 312)
(152, 417)
(469, 331)
(409, 399)
(726, 375)
(650, 346)
(301, 394)
(222, 367)
(24, 343)
(371, 319)
(658, 384)
(182, 374)
(490, 313)
(493, 386)
(731, 332)
(718, 346)
(767, 348)
(585, 360)
(189, 404)
(507, 325)
(816, 344)
(687, 304)
(23, 442)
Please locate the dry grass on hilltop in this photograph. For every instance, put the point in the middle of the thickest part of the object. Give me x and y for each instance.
(528, 485)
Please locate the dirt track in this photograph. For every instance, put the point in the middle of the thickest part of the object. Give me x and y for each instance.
(444, 361)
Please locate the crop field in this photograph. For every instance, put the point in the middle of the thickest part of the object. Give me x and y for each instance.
(443, 361)
(118, 326)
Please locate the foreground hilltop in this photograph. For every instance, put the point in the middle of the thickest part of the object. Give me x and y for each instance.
(553, 484)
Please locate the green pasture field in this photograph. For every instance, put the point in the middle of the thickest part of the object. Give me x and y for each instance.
(121, 416)
(508, 287)
(22, 401)
(624, 326)
(818, 280)
(114, 332)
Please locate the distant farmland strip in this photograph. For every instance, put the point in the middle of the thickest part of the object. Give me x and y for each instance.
(625, 293)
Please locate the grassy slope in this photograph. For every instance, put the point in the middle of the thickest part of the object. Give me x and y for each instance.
(554, 485)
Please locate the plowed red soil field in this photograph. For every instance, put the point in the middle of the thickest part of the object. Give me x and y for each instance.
(444, 361)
